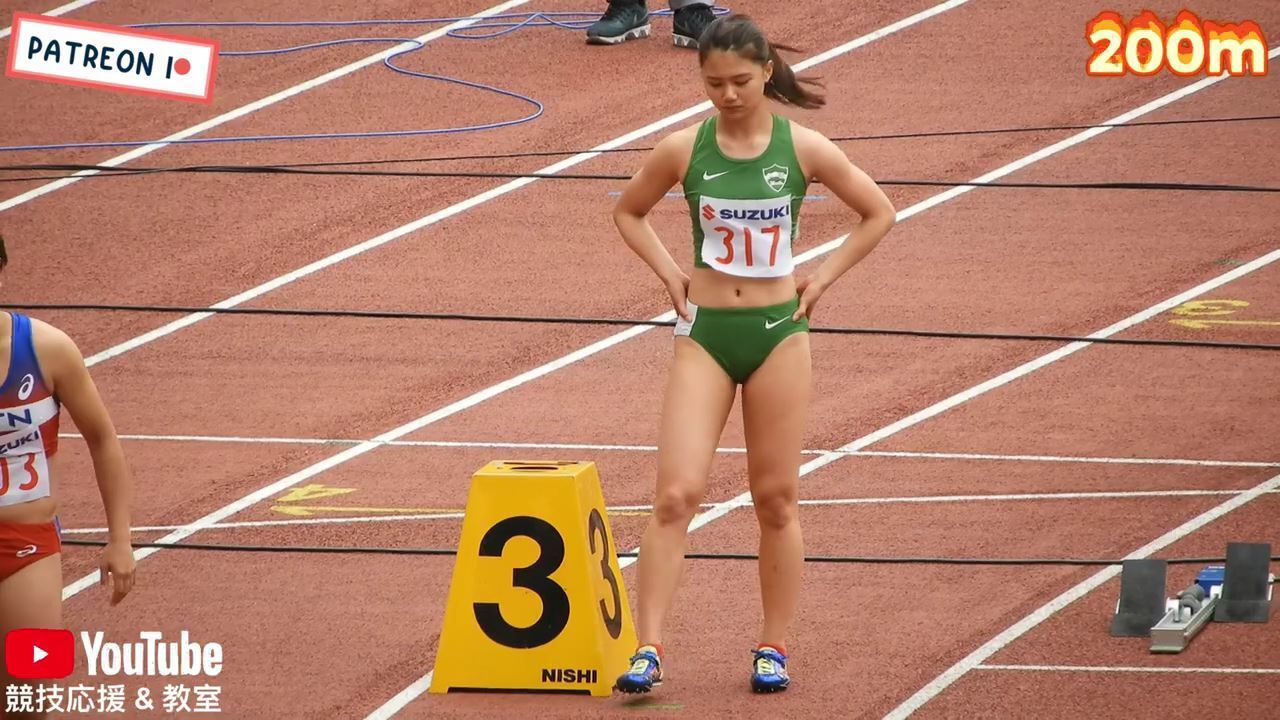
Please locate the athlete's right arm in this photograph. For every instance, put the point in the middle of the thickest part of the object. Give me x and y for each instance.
(660, 172)
(69, 381)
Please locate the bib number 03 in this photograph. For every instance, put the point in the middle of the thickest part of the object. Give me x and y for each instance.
(7, 480)
(536, 578)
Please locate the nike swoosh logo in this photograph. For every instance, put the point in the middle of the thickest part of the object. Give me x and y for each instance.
(705, 176)
(771, 325)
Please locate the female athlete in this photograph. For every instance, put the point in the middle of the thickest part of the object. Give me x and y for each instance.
(743, 320)
(44, 371)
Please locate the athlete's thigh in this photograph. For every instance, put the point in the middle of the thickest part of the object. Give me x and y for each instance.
(695, 405)
(30, 598)
(775, 405)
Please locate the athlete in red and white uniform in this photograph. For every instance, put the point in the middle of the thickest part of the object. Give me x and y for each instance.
(29, 415)
(43, 372)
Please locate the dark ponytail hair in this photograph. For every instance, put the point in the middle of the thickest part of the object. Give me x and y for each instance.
(739, 34)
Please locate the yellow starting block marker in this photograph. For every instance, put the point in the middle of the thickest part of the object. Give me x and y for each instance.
(536, 601)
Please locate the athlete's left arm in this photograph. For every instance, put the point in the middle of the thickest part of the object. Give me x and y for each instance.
(827, 164)
(69, 380)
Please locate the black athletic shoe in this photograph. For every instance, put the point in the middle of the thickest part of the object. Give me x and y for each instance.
(624, 20)
(690, 22)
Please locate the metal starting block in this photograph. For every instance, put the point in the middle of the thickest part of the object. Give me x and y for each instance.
(1239, 591)
(1188, 616)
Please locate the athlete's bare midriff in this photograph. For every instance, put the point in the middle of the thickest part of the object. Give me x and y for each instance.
(29, 513)
(711, 288)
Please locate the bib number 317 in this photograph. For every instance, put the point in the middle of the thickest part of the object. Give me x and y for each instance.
(747, 238)
(743, 244)
(536, 578)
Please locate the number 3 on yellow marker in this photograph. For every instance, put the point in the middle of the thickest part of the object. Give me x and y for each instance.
(535, 578)
(612, 619)
(536, 600)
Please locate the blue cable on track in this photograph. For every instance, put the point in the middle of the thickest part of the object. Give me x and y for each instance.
(505, 24)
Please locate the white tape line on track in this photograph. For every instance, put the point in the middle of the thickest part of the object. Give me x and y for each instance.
(60, 10)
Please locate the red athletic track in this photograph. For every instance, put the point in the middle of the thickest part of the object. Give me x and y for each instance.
(334, 635)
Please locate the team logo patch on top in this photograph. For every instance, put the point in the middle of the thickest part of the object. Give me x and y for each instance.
(776, 176)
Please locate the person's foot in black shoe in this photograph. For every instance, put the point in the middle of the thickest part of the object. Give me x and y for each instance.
(623, 20)
(689, 24)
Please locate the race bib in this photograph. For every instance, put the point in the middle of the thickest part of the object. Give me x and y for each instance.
(747, 238)
(24, 467)
(23, 478)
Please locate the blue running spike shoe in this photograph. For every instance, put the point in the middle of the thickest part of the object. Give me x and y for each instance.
(769, 671)
(645, 672)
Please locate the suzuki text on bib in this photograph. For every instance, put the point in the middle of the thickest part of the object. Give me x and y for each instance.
(73, 52)
(1145, 46)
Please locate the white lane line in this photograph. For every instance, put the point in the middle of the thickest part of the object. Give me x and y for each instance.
(60, 10)
(1131, 669)
(1044, 612)
(457, 514)
(1063, 459)
(243, 524)
(256, 105)
(618, 447)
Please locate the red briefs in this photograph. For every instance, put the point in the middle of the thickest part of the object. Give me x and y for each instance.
(22, 544)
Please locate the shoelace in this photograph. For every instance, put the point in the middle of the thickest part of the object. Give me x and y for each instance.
(700, 15)
(613, 12)
(640, 665)
(766, 666)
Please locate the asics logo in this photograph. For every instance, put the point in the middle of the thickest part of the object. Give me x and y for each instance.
(28, 550)
(28, 383)
(771, 325)
(708, 176)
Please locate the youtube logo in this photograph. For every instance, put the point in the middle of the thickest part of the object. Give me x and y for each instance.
(36, 654)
